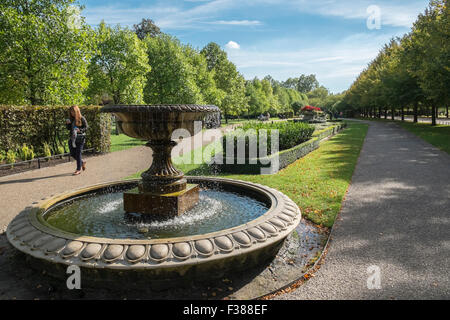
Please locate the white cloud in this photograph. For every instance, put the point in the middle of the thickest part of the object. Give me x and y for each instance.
(238, 22)
(392, 14)
(233, 45)
(336, 64)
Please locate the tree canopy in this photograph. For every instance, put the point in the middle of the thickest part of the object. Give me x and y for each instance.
(117, 71)
(45, 53)
(409, 72)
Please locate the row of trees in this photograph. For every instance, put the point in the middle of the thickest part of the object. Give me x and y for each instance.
(411, 73)
(51, 56)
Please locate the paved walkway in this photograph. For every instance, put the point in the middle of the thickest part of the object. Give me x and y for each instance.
(396, 216)
(20, 190)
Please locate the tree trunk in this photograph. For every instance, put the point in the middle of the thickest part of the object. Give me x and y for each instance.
(415, 112)
(403, 114)
(379, 112)
(393, 113)
(433, 115)
(447, 112)
(385, 113)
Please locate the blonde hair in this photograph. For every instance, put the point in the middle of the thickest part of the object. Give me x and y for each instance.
(75, 113)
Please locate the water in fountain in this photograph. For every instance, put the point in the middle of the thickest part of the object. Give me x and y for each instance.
(103, 216)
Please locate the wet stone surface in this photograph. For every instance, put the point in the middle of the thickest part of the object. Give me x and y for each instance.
(298, 254)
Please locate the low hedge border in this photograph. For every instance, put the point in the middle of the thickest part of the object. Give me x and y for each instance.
(286, 157)
(35, 126)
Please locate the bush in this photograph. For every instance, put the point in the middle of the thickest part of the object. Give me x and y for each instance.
(25, 153)
(37, 126)
(290, 134)
(11, 157)
(47, 151)
(61, 150)
(2, 156)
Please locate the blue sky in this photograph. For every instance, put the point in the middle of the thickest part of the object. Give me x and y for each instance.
(283, 38)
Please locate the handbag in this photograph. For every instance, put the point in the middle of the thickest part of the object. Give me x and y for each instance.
(81, 137)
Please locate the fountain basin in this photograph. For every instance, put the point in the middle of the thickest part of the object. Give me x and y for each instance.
(163, 261)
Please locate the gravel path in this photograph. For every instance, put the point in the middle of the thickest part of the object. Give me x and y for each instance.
(396, 216)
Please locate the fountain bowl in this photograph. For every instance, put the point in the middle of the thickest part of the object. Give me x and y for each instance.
(160, 263)
(158, 122)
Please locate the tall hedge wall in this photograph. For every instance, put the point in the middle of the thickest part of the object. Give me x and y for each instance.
(36, 125)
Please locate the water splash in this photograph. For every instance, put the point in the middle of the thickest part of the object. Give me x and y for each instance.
(103, 216)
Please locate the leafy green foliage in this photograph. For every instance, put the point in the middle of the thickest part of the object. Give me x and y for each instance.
(44, 55)
(37, 126)
(172, 78)
(117, 71)
(409, 72)
(229, 82)
(47, 152)
(26, 153)
(11, 156)
(290, 134)
(123, 142)
(146, 28)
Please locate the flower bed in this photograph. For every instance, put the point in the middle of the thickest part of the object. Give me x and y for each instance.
(313, 114)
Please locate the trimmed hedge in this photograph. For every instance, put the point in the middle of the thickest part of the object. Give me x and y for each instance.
(290, 134)
(286, 157)
(38, 126)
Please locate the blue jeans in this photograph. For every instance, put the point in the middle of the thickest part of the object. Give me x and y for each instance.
(76, 153)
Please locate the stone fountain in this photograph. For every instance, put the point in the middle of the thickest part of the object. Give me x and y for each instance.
(164, 190)
(235, 225)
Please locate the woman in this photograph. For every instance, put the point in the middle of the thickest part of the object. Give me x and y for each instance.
(77, 125)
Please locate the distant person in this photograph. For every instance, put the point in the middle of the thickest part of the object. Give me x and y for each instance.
(78, 126)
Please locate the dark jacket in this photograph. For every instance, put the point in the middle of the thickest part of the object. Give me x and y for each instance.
(83, 128)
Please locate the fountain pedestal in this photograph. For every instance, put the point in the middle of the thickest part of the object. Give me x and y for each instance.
(162, 205)
(163, 191)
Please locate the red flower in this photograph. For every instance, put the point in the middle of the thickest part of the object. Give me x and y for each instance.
(311, 108)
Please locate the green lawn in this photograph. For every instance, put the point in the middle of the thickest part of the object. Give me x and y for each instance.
(122, 142)
(317, 182)
(438, 136)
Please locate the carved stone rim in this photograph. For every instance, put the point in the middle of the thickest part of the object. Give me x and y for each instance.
(29, 233)
(161, 108)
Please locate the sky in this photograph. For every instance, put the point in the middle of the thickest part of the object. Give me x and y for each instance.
(333, 39)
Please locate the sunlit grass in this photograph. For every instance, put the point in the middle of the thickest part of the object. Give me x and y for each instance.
(123, 142)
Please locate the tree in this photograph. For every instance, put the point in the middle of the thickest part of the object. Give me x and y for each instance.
(411, 71)
(146, 28)
(214, 55)
(119, 67)
(430, 34)
(172, 79)
(46, 47)
(227, 79)
(306, 83)
(318, 96)
(204, 78)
